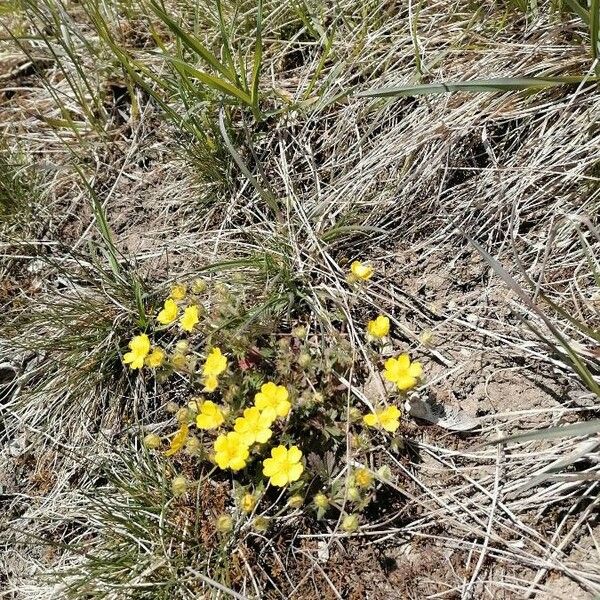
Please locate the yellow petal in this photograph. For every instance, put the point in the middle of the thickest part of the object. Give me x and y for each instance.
(169, 313)
(267, 416)
(270, 467)
(371, 420)
(415, 369)
(210, 383)
(294, 454)
(390, 424)
(189, 319)
(279, 453)
(263, 435)
(406, 382)
(295, 471)
(403, 361)
(283, 408)
(280, 479)
(237, 463)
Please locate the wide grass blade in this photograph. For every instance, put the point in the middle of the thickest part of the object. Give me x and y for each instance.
(594, 26)
(553, 433)
(499, 84)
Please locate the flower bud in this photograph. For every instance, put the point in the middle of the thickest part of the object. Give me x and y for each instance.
(321, 501)
(199, 286)
(179, 486)
(261, 524)
(224, 523)
(350, 523)
(295, 501)
(182, 346)
(384, 473)
(355, 414)
(247, 503)
(353, 494)
(193, 446)
(179, 361)
(304, 359)
(427, 338)
(178, 291)
(299, 332)
(182, 415)
(171, 407)
(152, 441)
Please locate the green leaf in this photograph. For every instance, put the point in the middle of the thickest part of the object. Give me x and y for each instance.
(499, 84)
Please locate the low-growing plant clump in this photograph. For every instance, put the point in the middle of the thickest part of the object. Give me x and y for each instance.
(272, 413)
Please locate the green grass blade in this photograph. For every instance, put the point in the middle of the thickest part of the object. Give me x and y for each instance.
(499, 84)
(192, 43)
(594, 26)
(257, 60)
(553, 433)
(211, 81)
(266, 195)
(576, 363)
(578, 9)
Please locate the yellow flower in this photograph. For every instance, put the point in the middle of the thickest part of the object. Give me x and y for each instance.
(361, 271)
(254, 425)
(402, 372)
(284, 466)
(379, 327)
(274, 397)
(248, 502)
(214, 365)
(211, 383)
(168, 313)
(179, 440)
(388, 418)
(189, 319)
(210, 416)
(156, 358)
(139, 346)
(231, 452)
(178, 291)
(363, 478)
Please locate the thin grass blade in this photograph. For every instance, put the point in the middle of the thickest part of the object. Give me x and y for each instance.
(499, 84)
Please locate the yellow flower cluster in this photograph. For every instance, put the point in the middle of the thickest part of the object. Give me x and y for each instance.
(141, 353)
(170, 311)
(232, 449)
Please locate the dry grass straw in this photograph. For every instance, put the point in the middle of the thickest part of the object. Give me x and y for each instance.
(385, 179)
